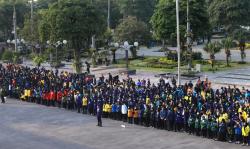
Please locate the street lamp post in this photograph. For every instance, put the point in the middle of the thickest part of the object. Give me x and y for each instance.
(178, 41)
(189, 42)
(108, 19)
(14, 26)
(56, 45)
(126, 46)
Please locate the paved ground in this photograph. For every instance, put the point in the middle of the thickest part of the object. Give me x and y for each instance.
(29, 126)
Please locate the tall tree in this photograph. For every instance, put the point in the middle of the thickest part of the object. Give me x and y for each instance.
(164, 18)
(26, 30)
(76, 21)
(227, 45)
(142, 9)
(229, 13)
(241, 35)
(6, 16)
(115, 14)
(132, 30)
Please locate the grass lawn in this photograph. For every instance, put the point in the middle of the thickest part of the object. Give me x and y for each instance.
(161, 64)
(222, 66)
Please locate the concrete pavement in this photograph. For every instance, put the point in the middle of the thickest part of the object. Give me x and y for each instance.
(30, 126)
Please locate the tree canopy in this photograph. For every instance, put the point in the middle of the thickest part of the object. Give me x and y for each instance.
(164, 19)
(74, 20)
(132, 30)
(230, 14)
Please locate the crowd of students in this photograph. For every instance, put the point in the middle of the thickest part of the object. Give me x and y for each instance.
(221, 114)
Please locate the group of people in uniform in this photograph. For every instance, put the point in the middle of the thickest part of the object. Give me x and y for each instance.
(198, 109)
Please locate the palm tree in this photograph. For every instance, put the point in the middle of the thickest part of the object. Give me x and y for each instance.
(212, 49)
(240, 36)
(242, 47)
(227, 44)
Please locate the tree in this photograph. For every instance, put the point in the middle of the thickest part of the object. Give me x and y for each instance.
(141, 9)
(212, 49)
(164, 19)
(229, 14)
(227, 45)
(115, 14)
(240, 36)
(38, 60)
(7, 55)
(74, 20)
(26, 30)
(132, 30)
(6, 16)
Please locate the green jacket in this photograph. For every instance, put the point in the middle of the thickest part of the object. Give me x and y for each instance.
(203, 124)
(197, 123)
(214, 126)
(191, 121)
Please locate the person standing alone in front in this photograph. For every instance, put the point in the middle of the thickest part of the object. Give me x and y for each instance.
(99, 113)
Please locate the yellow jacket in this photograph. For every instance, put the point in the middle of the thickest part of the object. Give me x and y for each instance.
(108, 108)
(22, 97)
(104, 108)
(26, 93)
(84, 101)
(130, 112)
(147, 101)
(244, 115)
(245, 131)
(136, 113)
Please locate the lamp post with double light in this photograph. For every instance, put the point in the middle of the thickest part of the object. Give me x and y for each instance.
(56, 45)
(127, 46)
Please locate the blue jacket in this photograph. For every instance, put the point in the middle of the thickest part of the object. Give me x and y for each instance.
(237, 130)
(163, 114)
(114, 108)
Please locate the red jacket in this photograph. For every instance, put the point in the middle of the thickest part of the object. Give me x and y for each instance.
(52, 95)
(59, 95)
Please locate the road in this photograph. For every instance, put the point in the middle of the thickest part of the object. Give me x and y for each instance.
(235, 54)
(28, 126)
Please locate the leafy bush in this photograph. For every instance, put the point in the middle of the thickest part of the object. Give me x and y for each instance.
(165, 60)
(247, 45)
(7, 55)
(38, 60)
(197, 56)
(16, 58)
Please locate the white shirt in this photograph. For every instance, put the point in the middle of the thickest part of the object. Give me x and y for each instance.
(124, 109)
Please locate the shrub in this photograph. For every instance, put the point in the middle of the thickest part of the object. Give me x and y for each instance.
(165, 60)
(197, 56)
(7, 55)
(247, 45)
